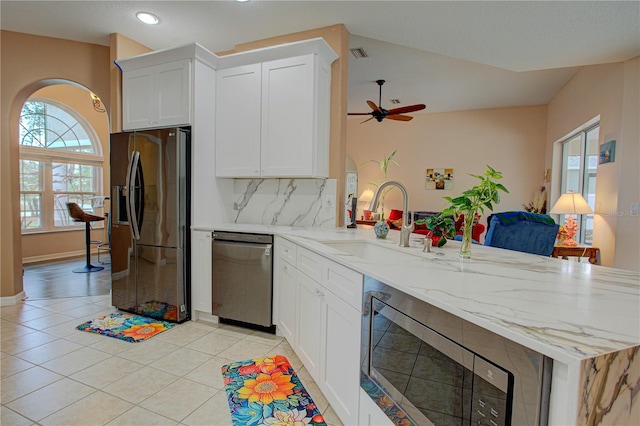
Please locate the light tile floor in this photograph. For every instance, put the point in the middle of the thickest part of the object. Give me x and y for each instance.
(53, 374)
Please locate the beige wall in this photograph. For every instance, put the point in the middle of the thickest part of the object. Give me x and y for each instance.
(120, 47)
(43, 246)
(510, 140)
(29, 63)
(609, 91)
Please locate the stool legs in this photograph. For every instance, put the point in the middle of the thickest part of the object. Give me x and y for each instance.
(88, 267)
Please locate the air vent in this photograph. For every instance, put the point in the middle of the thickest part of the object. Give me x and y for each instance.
(359, 52)
(395, 101)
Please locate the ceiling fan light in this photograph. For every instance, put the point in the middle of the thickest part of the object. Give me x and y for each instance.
(147, 18)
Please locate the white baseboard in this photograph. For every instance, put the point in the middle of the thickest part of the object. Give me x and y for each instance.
(204, 317)
(56, 256)
(13, 300)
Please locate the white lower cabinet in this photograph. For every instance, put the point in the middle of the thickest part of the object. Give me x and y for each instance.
(340, 358)
(200, 273)
(307, 341)
(370, 413)
(327, 298)
(287, 301)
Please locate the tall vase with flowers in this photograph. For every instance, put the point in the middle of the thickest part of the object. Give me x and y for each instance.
(474, 199)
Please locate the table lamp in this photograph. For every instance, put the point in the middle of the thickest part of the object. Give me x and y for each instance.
(570, 204)
(366, 197)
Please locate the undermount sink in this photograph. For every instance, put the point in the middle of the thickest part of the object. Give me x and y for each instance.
(373, 252)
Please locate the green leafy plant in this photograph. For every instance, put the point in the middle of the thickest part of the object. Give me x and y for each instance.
(384, 165)
(441, 227)
(474, 199)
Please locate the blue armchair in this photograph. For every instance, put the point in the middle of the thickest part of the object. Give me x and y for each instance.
(522, 231)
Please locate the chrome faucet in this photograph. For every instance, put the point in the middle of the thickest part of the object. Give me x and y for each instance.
(406, 229)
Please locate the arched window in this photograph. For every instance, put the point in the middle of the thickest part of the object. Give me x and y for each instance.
(60, 162)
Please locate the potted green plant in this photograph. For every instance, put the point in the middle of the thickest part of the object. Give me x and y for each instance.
(384, 165)
(441, 227)
(474, 199)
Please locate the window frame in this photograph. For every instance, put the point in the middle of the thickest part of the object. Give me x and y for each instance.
(47, 158)
(584, 175)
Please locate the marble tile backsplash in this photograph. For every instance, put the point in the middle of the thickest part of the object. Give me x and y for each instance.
(295, 202)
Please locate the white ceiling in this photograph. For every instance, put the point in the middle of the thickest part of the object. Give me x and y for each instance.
(450, 55)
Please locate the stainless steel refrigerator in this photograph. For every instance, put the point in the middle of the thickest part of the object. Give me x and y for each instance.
(150, 227)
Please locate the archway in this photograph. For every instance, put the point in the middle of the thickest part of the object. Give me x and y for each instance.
(55, 171)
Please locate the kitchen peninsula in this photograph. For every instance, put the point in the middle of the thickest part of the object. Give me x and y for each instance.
(584, 317)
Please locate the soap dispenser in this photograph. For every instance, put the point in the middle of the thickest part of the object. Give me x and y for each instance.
(354, 206)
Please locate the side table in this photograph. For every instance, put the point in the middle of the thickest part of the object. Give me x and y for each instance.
(578, 251)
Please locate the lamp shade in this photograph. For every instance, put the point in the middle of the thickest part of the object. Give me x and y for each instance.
(571, 203)
(366, 196)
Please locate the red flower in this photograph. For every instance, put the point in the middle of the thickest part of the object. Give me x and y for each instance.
(247, 370)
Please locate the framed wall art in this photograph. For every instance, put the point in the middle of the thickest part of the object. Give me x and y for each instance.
(439, 179)
(607, 152)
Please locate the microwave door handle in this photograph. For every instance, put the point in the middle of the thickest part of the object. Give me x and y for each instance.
(131, 182)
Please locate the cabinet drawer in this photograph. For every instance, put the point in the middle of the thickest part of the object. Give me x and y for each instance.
(343, 282)
(286, 250)
(310, 264)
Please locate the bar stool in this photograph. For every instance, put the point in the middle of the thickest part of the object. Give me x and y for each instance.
(79, 215)
(106, 247)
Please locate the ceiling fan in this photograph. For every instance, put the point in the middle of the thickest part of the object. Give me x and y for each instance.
(380, 113)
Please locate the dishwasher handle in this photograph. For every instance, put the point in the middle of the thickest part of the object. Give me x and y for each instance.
(267, 247)
(241, 237)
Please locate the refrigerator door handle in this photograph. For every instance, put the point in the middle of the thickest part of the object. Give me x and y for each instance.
(131, 183)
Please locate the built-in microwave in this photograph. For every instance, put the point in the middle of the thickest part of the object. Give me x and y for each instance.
(424, 366)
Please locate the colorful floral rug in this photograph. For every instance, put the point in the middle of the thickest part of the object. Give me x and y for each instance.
(266, 391)
(156, 309)
(127, 327)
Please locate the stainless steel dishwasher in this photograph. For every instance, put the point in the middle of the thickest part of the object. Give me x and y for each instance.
(242, 278)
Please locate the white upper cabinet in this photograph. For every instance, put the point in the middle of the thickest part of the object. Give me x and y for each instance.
(238, 121)
(168, 88)
(295, 111)
(272, 118)
(157, 96)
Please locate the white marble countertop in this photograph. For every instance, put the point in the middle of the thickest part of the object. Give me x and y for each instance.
(567, 310)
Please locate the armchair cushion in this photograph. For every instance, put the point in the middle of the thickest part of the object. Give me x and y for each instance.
(522, 231)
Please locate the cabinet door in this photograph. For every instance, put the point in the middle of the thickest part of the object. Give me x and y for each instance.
(238, 121)
(307, 340)
(287, 301)
(137, 99)
(201, 272)
(370, 413)
(340, 359)
(288, 124)
(157, 96)
(173, 93)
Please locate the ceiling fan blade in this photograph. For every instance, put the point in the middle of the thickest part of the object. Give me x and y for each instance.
(373, 106)
(358, 113)
(399, 117)
(367, 120)
(408, 108)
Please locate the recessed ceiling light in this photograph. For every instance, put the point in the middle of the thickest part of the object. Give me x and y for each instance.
(147, 18)
(241, 1)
